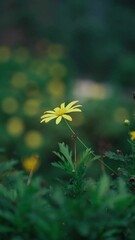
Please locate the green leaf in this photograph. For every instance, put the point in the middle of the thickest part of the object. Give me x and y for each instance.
(86, 155)
(58, 165)
(116, 157)
(66, 157)
(66, 153)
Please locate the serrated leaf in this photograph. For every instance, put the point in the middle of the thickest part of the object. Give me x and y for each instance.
(85, 156)
(58, 165)
(59, 156)
(116, 157)
(66, 156)
(66, 153)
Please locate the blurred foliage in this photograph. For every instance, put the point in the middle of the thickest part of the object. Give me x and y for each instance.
(99, 35)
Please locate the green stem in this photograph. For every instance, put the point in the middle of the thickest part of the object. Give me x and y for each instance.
(88, 148)
(30, 177)
(77, 136)
(75, 154)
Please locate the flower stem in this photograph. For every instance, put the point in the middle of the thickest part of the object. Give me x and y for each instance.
(30, 177)
(77, 136)
(75, 154)
(88, 148)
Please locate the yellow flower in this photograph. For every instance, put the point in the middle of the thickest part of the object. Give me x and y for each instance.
(61, 112)
(132, 135)
(31, 163)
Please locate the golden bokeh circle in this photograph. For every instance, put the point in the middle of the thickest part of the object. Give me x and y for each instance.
(9, 105)
(15, 126)
(33, 139)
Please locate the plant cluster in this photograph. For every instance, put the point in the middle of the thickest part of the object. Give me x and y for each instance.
(77, 205)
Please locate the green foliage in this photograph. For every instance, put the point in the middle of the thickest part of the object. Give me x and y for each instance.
(38, 212)
(75, 207)
(66, 157)
(76, 170)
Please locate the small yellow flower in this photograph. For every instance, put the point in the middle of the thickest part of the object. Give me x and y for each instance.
(31, 164)
(61, 112)
(132, 135)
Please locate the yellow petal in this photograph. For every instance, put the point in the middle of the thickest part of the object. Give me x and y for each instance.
(47, 115)
(46, 120)
(74, 110)
(58, 119)
(49, 112)
(56, 109)
(67, 117)
(71, 104)
(132, 134)
(76, 106)
(43, 120)
(62, 105)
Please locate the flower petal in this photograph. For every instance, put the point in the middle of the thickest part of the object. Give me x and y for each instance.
(56, 109)
(74, 110)
(71, 104)
(58, 119)
(76, 106)
(47, 115)
(62, 105)
(48, 119)
(132, 134)
(49, 112)
(67, 117)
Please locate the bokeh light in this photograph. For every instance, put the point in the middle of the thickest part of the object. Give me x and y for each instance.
(55, 51)
(19, 80)
(56, 88)
(120, 114)
(5, 54)
(9, 105)
(32, 107)
(57, 70)
(33, 139)
(88, 89)
(15, 126)
(21, 55)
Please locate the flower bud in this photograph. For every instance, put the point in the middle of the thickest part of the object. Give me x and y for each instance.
(74, 137)
(126, 122)
(118, 151)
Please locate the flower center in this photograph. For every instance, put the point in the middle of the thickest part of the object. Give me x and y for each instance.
(60, 112)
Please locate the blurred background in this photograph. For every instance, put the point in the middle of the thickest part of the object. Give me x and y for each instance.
(54, 51)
